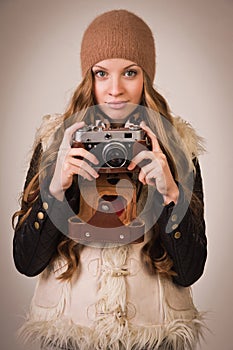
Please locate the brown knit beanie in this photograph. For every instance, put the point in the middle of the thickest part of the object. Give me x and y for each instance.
(118, 34)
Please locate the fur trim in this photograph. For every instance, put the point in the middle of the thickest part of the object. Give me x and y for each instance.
(193, 142)
(64, 334)
(50, 124)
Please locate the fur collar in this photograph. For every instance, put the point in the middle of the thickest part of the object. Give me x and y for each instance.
(193, 142)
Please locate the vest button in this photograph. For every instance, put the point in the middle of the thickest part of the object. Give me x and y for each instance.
(40, 215)
(45, 206)
(177, 235)
(36, 225)
(174, 217)
(174, 226)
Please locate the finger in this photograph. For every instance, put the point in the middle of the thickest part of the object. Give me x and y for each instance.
(71, 170)
(141, 156)
(152, 136)
(151, 170)
(84, 166)
(153, 167)
(82, 152)
(156, 177)
(68, 134)
(150, 181)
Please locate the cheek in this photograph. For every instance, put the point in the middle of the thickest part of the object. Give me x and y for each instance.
(137, 92)
(98, 92)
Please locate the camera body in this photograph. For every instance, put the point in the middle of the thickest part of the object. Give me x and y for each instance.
(114, 147)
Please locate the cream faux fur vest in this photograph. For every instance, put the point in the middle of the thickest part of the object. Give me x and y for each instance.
(111, 301)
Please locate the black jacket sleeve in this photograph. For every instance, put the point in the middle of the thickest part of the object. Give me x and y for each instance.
(183, 234)
(35, 240)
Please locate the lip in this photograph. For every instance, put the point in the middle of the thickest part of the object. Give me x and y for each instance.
(117, 104)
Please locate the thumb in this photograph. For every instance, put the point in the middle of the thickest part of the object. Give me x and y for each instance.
(68, 134)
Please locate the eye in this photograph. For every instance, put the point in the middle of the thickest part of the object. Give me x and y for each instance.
(130, 73)
(100, 73)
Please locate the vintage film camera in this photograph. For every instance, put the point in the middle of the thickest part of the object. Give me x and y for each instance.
(108, 206)
(114, 147)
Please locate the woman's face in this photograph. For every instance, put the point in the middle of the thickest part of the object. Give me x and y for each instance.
(118, 83)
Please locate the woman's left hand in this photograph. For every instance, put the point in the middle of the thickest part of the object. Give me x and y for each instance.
(157, 173)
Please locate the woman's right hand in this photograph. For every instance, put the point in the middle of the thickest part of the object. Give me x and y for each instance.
(68, 165)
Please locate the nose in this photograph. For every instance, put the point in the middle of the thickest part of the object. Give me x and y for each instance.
(115, 86)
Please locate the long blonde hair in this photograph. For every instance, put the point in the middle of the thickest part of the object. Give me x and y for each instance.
(153, 254)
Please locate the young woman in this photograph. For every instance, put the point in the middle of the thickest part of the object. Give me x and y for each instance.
(95, 292)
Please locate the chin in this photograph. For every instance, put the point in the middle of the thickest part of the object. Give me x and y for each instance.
(118, 113)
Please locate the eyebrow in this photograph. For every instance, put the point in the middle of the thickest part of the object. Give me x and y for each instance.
(104, 68)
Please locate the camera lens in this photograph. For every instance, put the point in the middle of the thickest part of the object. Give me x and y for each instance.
(114, 154)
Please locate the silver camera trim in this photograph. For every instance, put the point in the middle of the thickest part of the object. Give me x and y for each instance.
(110, 146)
(93, 134)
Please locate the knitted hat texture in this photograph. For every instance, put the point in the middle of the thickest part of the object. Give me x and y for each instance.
(118, 34)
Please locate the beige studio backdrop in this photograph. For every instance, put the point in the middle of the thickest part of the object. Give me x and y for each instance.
(40, 43)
